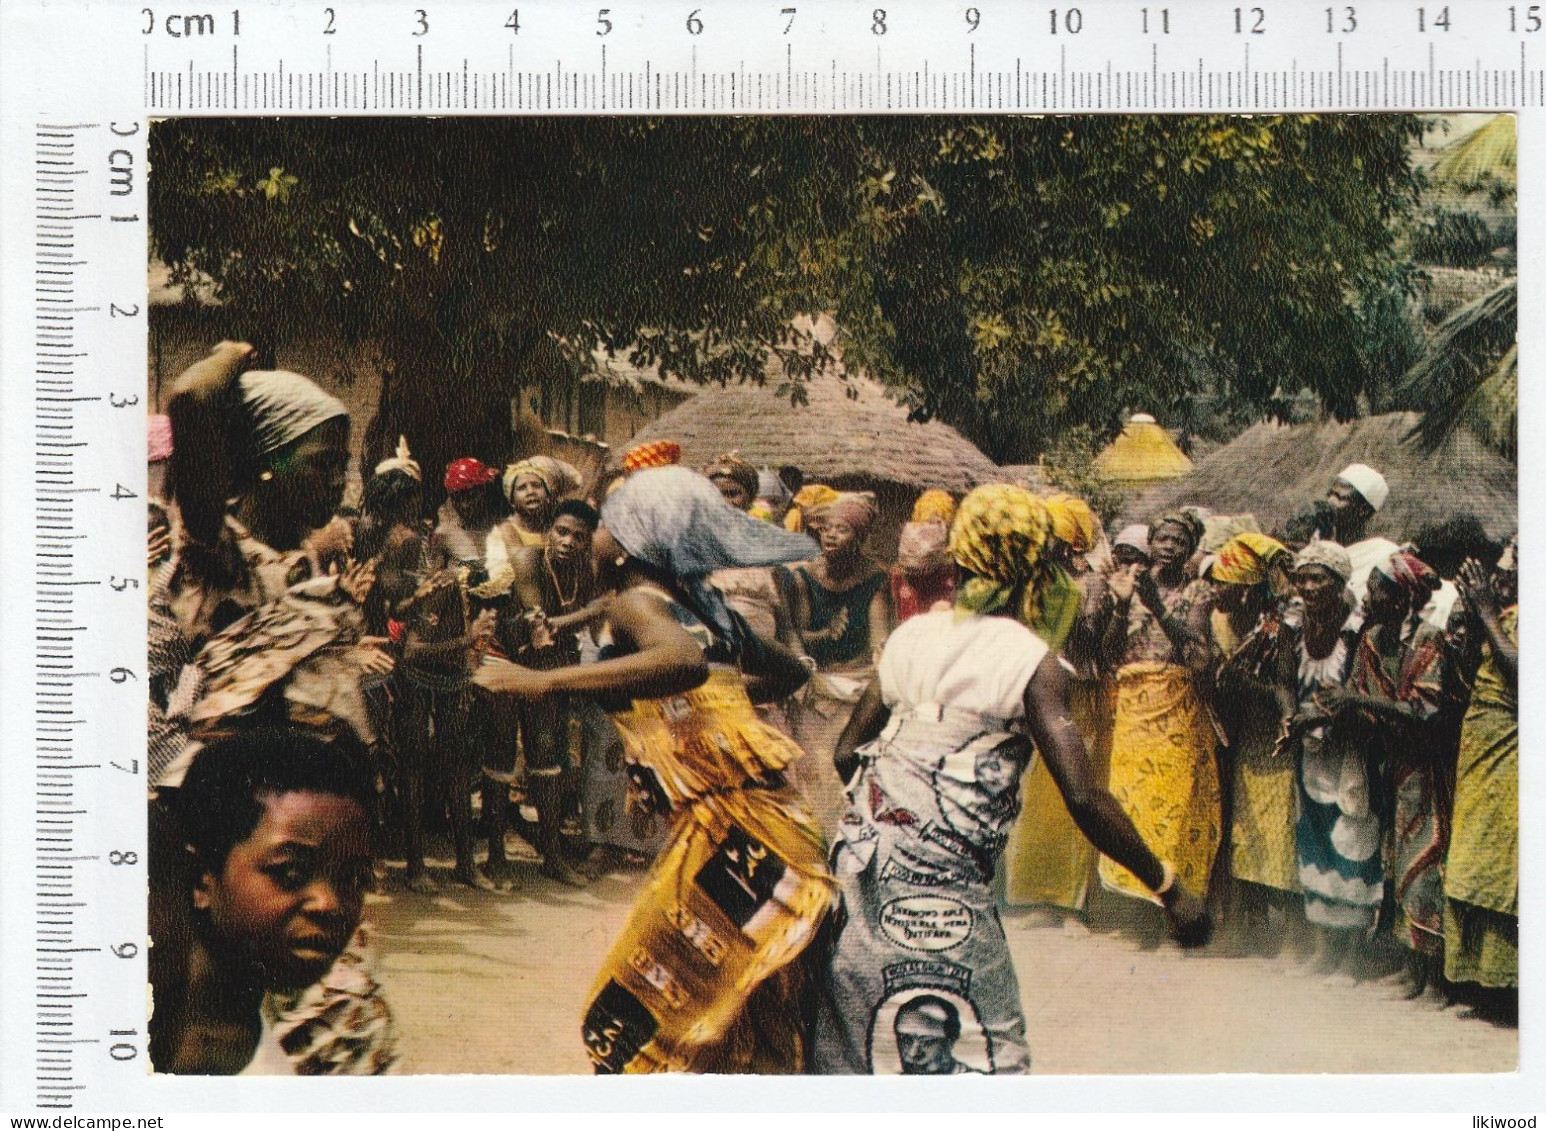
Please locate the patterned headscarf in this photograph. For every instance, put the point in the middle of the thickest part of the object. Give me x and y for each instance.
(1073, 522)
(856, 508)
(1185, 519)
(1415, 576)
(284, 406)
(807, 499)
(1246, 559)
(674, 519)
(655, 453)
(1330, 556)
(730, 465)
(526, 467)
(934, 505)
(998, 537)
(468, 472)
(923, 549)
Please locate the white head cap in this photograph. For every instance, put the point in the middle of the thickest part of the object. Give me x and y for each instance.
(402, 461)
(1368, 482)
(1134, 536)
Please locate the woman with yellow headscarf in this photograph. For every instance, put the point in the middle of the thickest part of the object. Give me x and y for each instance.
(806, 500)
(921, 980)
(1048, 862)
(1248, 573)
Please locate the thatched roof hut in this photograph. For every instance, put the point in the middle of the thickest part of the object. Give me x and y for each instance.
(850, 434)
(1276, 472)
(1024, 475)
(1142, 454)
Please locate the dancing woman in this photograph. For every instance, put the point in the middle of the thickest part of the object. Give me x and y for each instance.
(705, 976)
(921, 979)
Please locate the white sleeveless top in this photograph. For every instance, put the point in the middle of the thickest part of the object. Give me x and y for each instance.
(974, 664)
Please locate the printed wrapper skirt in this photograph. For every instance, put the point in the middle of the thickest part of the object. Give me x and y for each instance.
(1164, 775)
(906, 947)
(1338, 836)
(706, 976)
(1480, 946)
(1422, 797)
(1261, 843)
(613, 815)
(1481, 871)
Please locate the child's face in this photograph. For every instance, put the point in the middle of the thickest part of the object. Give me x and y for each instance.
(290, 895)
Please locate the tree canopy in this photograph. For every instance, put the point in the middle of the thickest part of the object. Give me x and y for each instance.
(1016, 277)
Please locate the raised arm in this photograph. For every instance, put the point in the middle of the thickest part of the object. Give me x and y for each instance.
(203, 465)
(1482, 599)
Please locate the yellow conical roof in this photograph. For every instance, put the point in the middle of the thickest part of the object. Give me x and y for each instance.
(1143, 453)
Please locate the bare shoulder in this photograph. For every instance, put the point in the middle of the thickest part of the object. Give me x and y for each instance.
(526, 560)
(634, 606)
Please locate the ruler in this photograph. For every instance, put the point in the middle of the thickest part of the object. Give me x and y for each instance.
(83, 972)
(772, 56)
(80, 84)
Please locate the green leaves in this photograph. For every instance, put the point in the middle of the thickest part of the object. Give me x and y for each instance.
(1017, 277)
(277, 185)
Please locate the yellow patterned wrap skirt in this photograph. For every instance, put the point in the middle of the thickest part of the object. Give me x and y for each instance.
(1164, 775)
(705, 977)
(1048, 862)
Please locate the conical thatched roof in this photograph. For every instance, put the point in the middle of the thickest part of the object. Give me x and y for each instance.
(1488, 153)
(1143, 453)
(832, 438)
(1276, 472)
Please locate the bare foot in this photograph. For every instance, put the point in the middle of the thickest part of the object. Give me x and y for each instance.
(423, 885)
(500, 874)
(564, 874)
(472, 878)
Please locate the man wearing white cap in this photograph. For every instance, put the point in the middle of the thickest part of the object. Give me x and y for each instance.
(1355, 495)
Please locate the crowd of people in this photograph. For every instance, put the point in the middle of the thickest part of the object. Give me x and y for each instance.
(837, 770)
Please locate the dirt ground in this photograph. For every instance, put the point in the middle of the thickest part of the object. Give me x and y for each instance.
(490, 982)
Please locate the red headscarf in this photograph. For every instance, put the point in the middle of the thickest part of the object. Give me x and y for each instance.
(468, 472)
(1414, 575)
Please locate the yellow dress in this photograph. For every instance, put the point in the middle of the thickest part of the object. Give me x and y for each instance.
(1164, 776)
(1163, 771)
(1262, 849)
(1048, 862)
(1481, 874)
(704, 977)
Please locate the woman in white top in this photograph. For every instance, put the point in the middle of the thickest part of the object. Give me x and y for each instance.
(921, 980)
